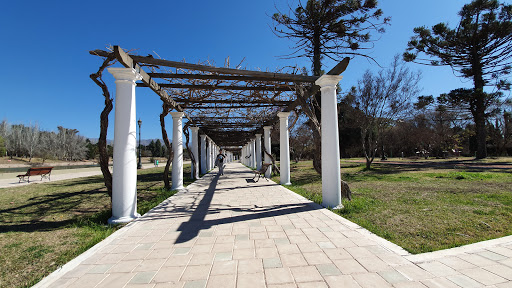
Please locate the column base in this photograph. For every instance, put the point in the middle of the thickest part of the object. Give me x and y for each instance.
(337, 207)
(125, 219)
(179, 188)
(288, 183)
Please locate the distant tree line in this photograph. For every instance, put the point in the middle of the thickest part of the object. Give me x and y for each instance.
(18, 140)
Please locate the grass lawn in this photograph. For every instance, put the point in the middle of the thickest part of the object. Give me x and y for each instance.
(43, 226)
(420, 209)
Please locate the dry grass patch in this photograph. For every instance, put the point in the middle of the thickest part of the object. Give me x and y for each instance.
(43, 226)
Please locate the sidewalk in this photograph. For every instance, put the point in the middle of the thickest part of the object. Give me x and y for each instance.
(230, 232)
(10, 179)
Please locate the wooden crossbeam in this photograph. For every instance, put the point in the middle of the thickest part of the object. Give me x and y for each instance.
(220, 87)
(230, 106)
(307, 79)
(197, 67)
(278, 102)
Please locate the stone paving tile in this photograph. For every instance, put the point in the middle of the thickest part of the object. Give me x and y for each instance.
(328, 270)
(198, 272)
(222, 281)
(114, 280)
(278, 276)
(305, 274)
(414, 272)
(314, 258)
(342, 281)
(149, 265)
(262, 235)
(437, 268)
(439, 283)
(500, 270)
(248, 266)
(370, 280)
(169, 274)
(253, 280)
(349, 266)
(373, 264)
(483, 276)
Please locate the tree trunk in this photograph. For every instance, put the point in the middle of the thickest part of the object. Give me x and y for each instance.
(102, 141)
(479, 108)
(170, 154)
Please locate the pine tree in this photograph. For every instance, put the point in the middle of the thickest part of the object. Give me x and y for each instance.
(479, 48)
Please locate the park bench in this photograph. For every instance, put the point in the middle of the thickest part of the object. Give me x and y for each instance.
(43, 171)
(261, 172)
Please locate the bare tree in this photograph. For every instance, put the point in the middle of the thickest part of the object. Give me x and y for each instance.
(383, 98)
(31, 140)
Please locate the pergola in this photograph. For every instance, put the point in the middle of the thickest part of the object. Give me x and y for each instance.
(225, 108)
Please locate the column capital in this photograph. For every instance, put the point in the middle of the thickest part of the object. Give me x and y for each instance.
(195, 129)
(328, 80)
(124, 74)
(203, 136)
(267, 128)
(176, 114)
(283, 114)
(258, 135)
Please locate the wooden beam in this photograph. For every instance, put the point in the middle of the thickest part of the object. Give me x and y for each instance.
(276, 102)
(219, 87)
(230, 107)
(269, 75)
(244, 78)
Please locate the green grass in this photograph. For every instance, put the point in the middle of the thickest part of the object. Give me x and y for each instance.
(421, 209)
(43, 226)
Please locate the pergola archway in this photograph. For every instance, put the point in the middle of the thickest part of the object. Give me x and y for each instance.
(224, 107)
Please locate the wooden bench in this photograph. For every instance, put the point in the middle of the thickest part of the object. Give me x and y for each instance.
(261, 172)
(43, 171)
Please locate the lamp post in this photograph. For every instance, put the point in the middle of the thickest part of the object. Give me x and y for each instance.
(139, 165)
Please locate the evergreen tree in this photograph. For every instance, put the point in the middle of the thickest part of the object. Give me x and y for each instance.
(328, 28)
(479, 48)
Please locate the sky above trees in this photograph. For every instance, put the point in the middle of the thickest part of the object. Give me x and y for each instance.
(46, 64)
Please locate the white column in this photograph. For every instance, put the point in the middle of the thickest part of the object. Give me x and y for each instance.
(266, 144)
(124, 178)
(177, 148)
(331, 178)
(258, 151)
(203, 154)
(195, 151)
(208, 154)
(284, 145)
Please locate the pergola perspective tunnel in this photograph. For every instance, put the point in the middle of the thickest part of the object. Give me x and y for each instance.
(224, 108)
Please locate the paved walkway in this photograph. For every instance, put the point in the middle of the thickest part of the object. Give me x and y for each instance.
(10, 180)
(230, 232)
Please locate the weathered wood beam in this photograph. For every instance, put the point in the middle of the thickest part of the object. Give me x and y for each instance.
(220, 87)
(307, 79)
(277, 102)
(230, 106)
(183, 65)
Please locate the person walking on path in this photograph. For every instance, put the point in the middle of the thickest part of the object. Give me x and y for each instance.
(219, 161)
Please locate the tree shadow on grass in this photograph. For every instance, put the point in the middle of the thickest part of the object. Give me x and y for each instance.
(58, 208)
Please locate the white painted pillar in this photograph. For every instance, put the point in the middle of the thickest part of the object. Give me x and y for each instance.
(253, 150)
(195, 151)
(203, 154)
(331, 178)
(208, 154)
(124, 178)
(258, 151)
(284, 149)
(266, 144)
(177, 148)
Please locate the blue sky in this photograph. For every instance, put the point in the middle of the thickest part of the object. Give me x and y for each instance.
(46, 65)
